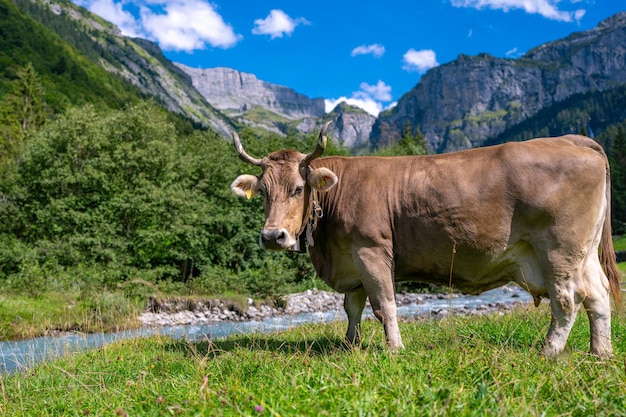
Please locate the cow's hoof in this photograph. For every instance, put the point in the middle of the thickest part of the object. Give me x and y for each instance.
(396, 347)
(550, 351)
(603, 354)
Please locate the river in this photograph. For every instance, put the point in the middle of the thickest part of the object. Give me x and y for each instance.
(24, 354)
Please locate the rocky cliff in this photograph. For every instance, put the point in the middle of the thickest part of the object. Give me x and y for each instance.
(351, 126)
(273, 107)
(237, 92)
(462, 104)
(171, 85)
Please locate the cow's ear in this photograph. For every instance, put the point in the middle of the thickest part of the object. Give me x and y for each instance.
(322, 179)
(245, 186)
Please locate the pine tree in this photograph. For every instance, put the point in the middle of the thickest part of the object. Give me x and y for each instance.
(22, 109)
(617, 157)
(583, 131)
(27, 98)
(412, 141)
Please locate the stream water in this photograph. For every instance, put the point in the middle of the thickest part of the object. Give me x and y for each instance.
(23, 355)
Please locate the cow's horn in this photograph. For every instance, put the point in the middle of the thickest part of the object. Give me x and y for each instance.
(243, 155)
(321, 144)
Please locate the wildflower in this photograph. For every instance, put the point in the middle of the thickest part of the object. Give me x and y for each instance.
(258, 408)
(160, 399)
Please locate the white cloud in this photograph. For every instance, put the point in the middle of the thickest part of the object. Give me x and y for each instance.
(379, 91)
(188, 25)
(113, 12)
(277, 24)
(371, 98)
(578, 14)
(546, 8)
(377, 50)
(420, 61)
(175, 24)
(512, 53)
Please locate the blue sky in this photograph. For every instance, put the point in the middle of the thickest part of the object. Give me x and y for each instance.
(367, 52)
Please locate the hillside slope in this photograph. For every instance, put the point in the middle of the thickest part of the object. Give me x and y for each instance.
(68, 77)
(128, 61)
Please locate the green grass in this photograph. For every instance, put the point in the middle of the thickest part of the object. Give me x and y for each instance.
(455, 367)
(23, 317)
(260, 115)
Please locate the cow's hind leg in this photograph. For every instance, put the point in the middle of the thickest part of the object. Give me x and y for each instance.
(375, 267)
(564, 303)
(353, 304)
(598, 306)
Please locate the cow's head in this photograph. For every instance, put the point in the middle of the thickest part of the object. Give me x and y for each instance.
(285, 184)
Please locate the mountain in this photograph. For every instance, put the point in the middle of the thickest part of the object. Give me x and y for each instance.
(351, 125)
(156, 76)
(469, 102)
(90, 52)
(237, 92)
(261, 104)
(472, 99)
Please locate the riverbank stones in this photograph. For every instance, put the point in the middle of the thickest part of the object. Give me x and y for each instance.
(180, 311)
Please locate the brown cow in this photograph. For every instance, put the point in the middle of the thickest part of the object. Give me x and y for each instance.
(536, 213)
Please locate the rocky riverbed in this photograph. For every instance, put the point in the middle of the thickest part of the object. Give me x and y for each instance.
(180, 311)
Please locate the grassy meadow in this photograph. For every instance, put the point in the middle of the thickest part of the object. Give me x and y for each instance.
(458, 366)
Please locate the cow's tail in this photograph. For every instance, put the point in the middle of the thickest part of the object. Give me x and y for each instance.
(607, 252)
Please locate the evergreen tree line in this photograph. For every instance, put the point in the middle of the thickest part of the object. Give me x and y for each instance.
(592, 113)
(614, 140)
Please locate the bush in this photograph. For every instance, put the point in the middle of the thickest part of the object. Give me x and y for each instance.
(108, 307)
(101, 198)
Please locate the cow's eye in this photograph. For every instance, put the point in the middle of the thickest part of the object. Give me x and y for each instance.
(297, 191)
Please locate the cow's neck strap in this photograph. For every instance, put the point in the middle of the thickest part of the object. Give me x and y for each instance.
(305, 237)
(316, 213)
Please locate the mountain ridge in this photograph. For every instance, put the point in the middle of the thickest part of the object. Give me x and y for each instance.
(463, 103)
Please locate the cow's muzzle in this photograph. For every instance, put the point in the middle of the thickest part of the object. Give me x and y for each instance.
(276, 239)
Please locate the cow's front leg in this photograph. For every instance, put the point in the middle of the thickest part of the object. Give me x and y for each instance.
(384, 308)
(353, 304)
(375, 266)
